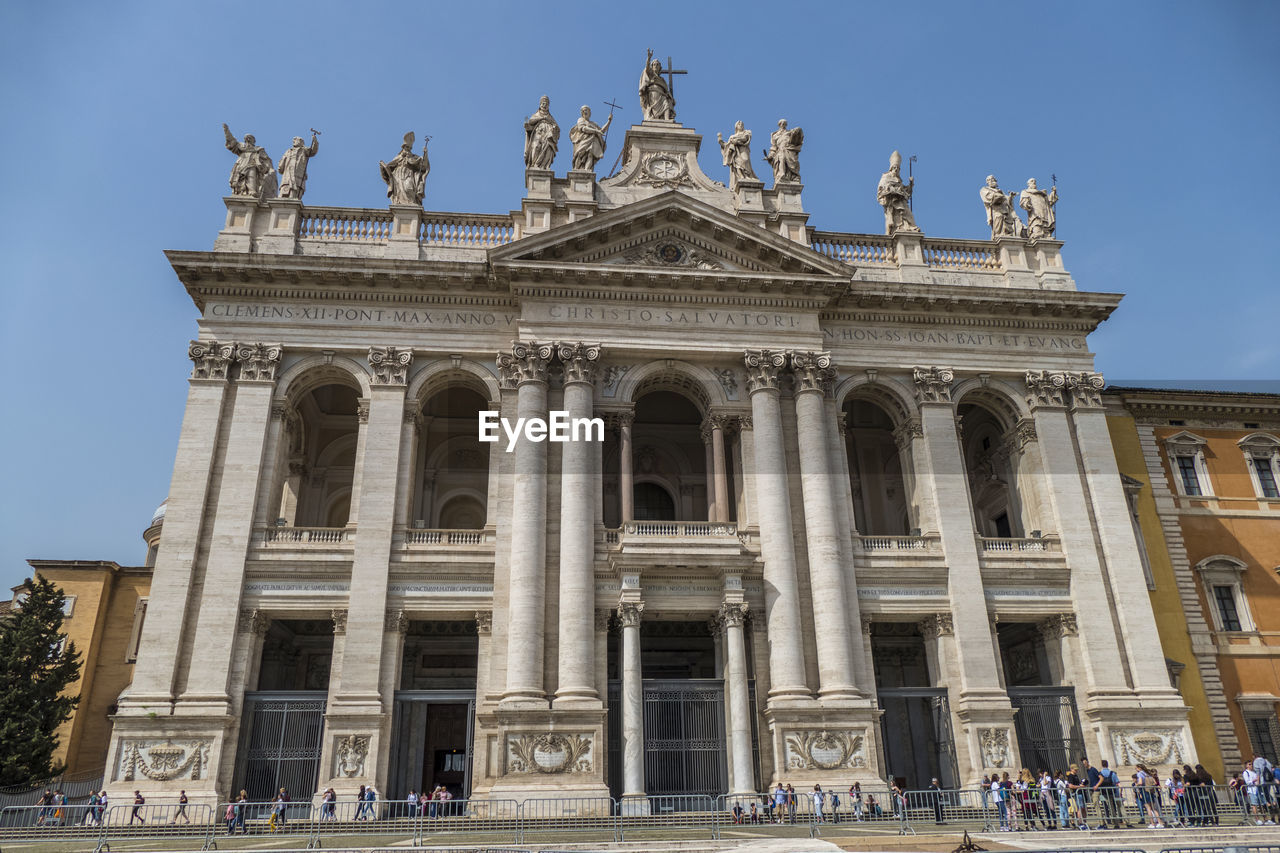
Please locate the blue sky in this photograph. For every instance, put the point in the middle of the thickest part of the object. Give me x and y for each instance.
(1159, 119)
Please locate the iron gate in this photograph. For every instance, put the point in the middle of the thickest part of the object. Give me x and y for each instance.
(684, 738)
(917, 736)
(280, 744)
(1048, 727)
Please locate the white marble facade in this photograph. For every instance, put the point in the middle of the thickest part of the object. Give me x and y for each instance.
(894, 436)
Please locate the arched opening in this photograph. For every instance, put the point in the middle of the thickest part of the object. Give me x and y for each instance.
(991, 465)
(668, 460)
(451, 478)
(321, 431)
(881, 503)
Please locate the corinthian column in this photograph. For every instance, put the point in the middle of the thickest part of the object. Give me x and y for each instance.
(526, 366)
(632, 703)
(781, 590)
(626, 483)
(719, 470)
(814, 375)
(577, 533)
(732, 617)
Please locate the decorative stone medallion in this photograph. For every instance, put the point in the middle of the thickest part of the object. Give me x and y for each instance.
(349, 755)
(995, 747)
(162, 761)
(1148, 746)
(549, 753)
(825, 750)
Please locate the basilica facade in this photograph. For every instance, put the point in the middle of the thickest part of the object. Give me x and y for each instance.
(855, 513)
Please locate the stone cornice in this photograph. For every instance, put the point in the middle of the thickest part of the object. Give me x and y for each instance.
(968, 305)
(1182, 404)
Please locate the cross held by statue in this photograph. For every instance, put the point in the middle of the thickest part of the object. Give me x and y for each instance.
(669, 73)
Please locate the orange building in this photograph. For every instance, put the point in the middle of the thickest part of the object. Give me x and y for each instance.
(106, 604)
(1212, 460)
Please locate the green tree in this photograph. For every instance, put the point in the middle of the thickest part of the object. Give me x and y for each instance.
(36, 665)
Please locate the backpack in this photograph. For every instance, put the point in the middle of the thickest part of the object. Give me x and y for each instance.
(1268, 774)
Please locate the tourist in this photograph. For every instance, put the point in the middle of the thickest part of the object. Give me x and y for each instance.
(736, 811)
(1250, 786)
(855, 799)
(1048, 790)
(873, 808)
(329, 804)
(1209, 794)
(138, 801)
(242, 811)
(90, 814)
(791, 804)
(780, 802)
(1026, 798)
(755, 813)
(819, 799)
(1176, 784)
(360, 804)
(835, 806)
(1267, 793)
(182, 809)
(1078, 788)
(371, 798)
(230, 818)
(1062, 790)
(411, 804)
(935, 798)
(44, 806)
(984, 796)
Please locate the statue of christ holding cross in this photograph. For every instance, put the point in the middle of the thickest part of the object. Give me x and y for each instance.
(657, 96)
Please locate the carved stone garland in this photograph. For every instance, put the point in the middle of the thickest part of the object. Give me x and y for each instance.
(549, 753)
(825, 750)
(161, 761)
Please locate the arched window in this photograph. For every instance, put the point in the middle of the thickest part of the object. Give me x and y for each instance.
(653, 503)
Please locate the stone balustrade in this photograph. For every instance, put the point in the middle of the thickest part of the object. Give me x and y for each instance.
(897, 543)
(855, 249)
(466, 230)
(448, 537)
(307, 535)
(998, 545)
(345, 224)
(963, 255)
(680, 528)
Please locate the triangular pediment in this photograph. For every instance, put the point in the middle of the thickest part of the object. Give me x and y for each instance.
(671, 233)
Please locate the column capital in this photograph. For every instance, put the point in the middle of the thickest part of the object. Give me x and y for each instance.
(813, 372)
(866, 625)
(484, 622)
(937, 625)
(254, 621)
(1022, 434)
(629, 613)
(390, 365)
(581, 361)
(339, 618)
(258, 362)
(907, 432)
(398, 621)
(211, 359)
(933, 384)
(1086, 389)
(1058, 626)
(732, 615)
(1045, 388)
(527, 362)
(618, 419)
(762, 369)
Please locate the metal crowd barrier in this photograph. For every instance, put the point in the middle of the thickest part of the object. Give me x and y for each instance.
(554, 817)
(151, 821)
(263, 818)
(660, 816)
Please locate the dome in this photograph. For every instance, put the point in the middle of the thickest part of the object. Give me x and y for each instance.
(157, 517)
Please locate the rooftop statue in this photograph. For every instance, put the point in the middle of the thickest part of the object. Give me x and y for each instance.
(252, 174)
(784, 153)
(1041, 219)
(406, 174)
(588, 140)
(895, 197)
(1001, 214)
(736, 151)
(657, 101)
(293, 167)
(541, 137)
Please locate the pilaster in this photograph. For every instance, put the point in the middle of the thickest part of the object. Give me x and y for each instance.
(284, 220)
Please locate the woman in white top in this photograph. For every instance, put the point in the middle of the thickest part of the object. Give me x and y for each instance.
(819, 799)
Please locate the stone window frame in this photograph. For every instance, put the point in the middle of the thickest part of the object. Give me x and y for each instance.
(1192, 445)
(1132, 489)
(1222, 570)
(135, 635)
(68, 606)
(1260, 707)
(1258, 446)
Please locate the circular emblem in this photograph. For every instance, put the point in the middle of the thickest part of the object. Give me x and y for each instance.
(670, 253)
(664, 168)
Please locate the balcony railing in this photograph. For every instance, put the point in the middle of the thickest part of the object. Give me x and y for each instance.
(855, 249)
(468, 230)
(676, 529)
(308, 535)
(448, 537)
(345, 224)
(1004, 545)
(897, 543)
(966, 255)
